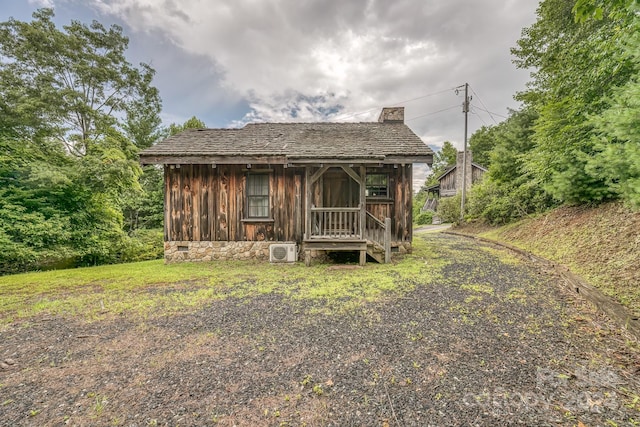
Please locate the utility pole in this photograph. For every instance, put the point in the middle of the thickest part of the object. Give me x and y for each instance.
(465, 110)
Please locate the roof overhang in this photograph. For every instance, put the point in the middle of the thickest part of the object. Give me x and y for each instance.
(148, 159)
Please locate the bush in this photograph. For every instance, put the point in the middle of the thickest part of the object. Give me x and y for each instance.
(424, 218)
(501, 204)
(449, 208)
(142, 245)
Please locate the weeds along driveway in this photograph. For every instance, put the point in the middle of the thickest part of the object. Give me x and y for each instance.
(473, 336)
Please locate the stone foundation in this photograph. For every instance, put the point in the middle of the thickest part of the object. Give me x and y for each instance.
(403, 247)
(211, 251)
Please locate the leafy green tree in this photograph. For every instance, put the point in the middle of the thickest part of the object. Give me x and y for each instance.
(508, 191)
(578, 66)
(595, 9)
(192, 123)
(443, 159)
(77, 82)
(74, 114)
(617, 128)
(481, 143)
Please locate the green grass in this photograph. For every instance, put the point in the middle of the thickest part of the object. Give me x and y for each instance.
(152, 288)
(601, 244)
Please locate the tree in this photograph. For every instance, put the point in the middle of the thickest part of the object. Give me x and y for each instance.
(578, 66)
(617, 129)
(74, 114)
(192, 123)
(481, 143)
(596, 9)
(77, 82)
(508, 191)
(444, 158)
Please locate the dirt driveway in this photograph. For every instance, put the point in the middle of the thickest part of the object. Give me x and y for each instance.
(491, 341)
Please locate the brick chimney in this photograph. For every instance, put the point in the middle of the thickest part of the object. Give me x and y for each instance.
(392, 115)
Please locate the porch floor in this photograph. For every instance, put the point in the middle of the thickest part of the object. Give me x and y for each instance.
(328, 244)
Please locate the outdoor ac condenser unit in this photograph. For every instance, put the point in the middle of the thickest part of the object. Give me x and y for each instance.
(283, 252)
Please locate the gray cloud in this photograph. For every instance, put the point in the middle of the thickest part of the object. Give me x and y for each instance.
(232, 62)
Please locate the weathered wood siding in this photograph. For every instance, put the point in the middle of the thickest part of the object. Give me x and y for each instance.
(476, 174)
(448, 184)
(208, 204)
(399, 206)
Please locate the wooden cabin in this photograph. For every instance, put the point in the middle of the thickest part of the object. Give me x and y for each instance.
(450, 181)
(304, 187)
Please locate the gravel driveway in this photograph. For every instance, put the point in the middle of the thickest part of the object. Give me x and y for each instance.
(493, 340)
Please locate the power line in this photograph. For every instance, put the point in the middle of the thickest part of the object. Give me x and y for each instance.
(423, 96)
(478, 115)
(490, 114)
(432, 113)
(348, 116)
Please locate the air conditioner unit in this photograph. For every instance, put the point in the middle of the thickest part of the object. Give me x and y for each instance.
(283, 252)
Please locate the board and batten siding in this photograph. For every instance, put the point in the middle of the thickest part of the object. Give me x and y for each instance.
(448, 183)
(203, 203)
(399, 206)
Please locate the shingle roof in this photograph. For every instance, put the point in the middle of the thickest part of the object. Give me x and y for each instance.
(453, 168)
(293, 141)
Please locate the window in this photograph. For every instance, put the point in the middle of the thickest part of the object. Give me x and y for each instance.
(378, 185)
(258, 196)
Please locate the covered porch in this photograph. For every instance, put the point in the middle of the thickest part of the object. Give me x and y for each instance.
(336, 213)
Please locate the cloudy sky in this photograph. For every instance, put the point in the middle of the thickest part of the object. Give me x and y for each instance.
(230, 62)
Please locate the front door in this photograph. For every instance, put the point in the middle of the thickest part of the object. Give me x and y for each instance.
(339, 190)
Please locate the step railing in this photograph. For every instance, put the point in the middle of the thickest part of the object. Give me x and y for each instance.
(379, 233)
(430, 205)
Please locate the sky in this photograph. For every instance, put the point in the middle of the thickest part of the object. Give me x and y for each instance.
(231, 62)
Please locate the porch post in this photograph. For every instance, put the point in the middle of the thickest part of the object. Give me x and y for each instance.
(307, 203)
(387, 240)
(363, 201)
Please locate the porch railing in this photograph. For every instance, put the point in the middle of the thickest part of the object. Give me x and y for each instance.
(335, 223)
(430, 205)
(344, 223)
(379, 233)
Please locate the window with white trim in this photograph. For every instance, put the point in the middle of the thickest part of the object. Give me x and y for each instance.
(257, 195)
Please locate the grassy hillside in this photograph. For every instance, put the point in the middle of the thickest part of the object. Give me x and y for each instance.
(601, 244)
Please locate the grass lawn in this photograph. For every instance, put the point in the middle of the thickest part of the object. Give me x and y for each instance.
(146, 288)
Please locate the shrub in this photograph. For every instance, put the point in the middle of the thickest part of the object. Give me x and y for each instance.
(449, 208)
(143, 244)
(501, 204)
(424, 218)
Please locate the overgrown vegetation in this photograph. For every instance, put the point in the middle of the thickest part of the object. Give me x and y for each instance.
(601, 244)
(449, 208)
(423, 218)
(146, 288)
(575, 140)
(74, 114)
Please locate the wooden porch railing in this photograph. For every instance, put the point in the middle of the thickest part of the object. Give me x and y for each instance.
(430, 204)
(335, 223)
(344, 224)
(379, 233)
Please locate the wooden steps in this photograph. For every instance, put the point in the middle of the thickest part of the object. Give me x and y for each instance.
(376, 252)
